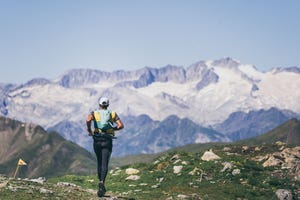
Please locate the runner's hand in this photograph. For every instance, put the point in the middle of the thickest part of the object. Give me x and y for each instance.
(90, 132)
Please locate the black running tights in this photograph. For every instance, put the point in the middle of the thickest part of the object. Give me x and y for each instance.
(103, 149)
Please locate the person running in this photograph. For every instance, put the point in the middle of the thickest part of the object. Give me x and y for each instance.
(106, 122)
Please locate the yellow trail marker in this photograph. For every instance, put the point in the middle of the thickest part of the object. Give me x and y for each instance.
(20, 163)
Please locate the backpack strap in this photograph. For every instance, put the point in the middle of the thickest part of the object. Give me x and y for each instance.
(112, 116)
(97, 116)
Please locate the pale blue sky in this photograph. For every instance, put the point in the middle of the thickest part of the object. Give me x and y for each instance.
(45, 38)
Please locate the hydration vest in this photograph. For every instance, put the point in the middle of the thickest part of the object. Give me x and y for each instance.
(104, 120)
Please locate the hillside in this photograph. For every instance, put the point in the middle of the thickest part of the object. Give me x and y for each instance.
(222, 172)
(288, 133)
(242, 125)
(46, 154)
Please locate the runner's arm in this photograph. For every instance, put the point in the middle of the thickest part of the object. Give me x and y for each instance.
(119, 123)
(88, 123)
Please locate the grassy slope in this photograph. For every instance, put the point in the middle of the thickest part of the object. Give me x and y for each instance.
(288, 132)
(159, 182)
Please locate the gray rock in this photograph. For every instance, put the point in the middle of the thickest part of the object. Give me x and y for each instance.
(284, 194)
(227, 166)
(133, 177)
(209, 155)
(131, 171)
(182, 196)
(177, 169)
(40, 180)
(66, 184)
(236, 172)
(272, 161)
(45, 191)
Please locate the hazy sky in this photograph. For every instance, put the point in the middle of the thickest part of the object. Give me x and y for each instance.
(45, 38)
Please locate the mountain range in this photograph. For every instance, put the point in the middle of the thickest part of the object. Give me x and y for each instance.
(219, 100)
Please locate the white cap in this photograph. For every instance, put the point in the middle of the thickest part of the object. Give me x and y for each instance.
(104, 101)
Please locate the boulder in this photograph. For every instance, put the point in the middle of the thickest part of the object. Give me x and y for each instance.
(131, 171)
(195, 171)
(236, 172)
(283, 194)
(227, 166)
(209, 155)
(177, 169)
(133, 177)
(272, 161)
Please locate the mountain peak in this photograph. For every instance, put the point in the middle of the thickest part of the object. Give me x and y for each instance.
(226, 62)
(78, 77)
(293, 69)
(37, 81)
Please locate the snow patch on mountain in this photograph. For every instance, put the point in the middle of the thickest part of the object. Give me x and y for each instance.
(201, 138)
(47, 104)
(280, 90)
(251, 72)
(172, 88)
